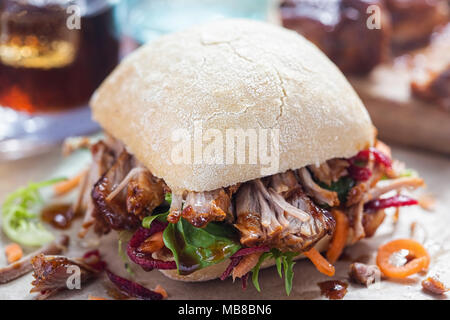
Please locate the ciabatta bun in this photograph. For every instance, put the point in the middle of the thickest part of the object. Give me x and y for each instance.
(234, 74)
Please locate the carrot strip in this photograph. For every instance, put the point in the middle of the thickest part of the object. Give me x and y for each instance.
(13, 252)
(397, 211)
(340, 236)
(246, 264)
(153, 243)
(161, 291)
(320, 262)
(64, 187)
(420, 261)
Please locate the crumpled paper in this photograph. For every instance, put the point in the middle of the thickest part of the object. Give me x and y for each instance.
(433, 229)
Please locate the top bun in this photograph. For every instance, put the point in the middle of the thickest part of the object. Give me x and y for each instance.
(231, 74)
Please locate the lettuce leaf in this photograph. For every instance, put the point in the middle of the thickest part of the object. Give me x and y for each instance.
(147, 221)
(20, 215)
(196, 248)
(285, 267)
(255, 271)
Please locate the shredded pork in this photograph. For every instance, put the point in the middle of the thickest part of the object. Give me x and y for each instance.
(364, 274)
(24, 266)
(287, 219)
(200, 208)
(320, 194)
(284, 211)
(393, 185)
(102, 160)
(126, 193)
(330, 171)
(51, 273)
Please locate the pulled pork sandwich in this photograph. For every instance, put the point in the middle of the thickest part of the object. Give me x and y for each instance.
(200, 220)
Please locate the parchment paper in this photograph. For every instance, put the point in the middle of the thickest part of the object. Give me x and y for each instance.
(435, 169)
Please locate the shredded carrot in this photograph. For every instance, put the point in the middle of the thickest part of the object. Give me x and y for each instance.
(419, 262)
(320, 262)
(396, 216)
(161, 291)
(153, 243)
(340, 236)
(96, 298)
(66, 186)
(13, 252)
(246, 264)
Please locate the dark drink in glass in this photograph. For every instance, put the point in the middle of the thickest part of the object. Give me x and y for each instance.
(54, 54)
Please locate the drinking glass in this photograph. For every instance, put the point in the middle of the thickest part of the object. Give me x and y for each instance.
(53, 55)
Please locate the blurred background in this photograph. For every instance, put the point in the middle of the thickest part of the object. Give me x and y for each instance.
(55, 53)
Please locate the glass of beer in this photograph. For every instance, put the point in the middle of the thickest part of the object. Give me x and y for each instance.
(53, 55)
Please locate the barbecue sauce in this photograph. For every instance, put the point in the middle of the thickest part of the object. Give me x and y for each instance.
(187, 264)
(333, 289)
(59, 215)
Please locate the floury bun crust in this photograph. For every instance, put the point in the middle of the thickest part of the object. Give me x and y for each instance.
(231, 74)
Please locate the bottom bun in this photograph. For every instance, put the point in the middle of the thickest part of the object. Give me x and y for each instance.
(216, 270)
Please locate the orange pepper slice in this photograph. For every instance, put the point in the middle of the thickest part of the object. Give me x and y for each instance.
(420, 261)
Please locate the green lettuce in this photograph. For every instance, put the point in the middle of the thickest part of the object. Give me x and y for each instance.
(285, 267)
(196, 248)
(147, 221)
(20, 215)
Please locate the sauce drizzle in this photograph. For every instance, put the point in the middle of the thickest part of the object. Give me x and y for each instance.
(333, 289)
(59, 215)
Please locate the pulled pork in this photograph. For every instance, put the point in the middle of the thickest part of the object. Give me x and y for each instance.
(364, 274)
(276, 212)
(431, 70)
(330, 171)
(200, 208)
(289, 211)
(124, 191)
(102, 159)
(318, 193)
(52, 272)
